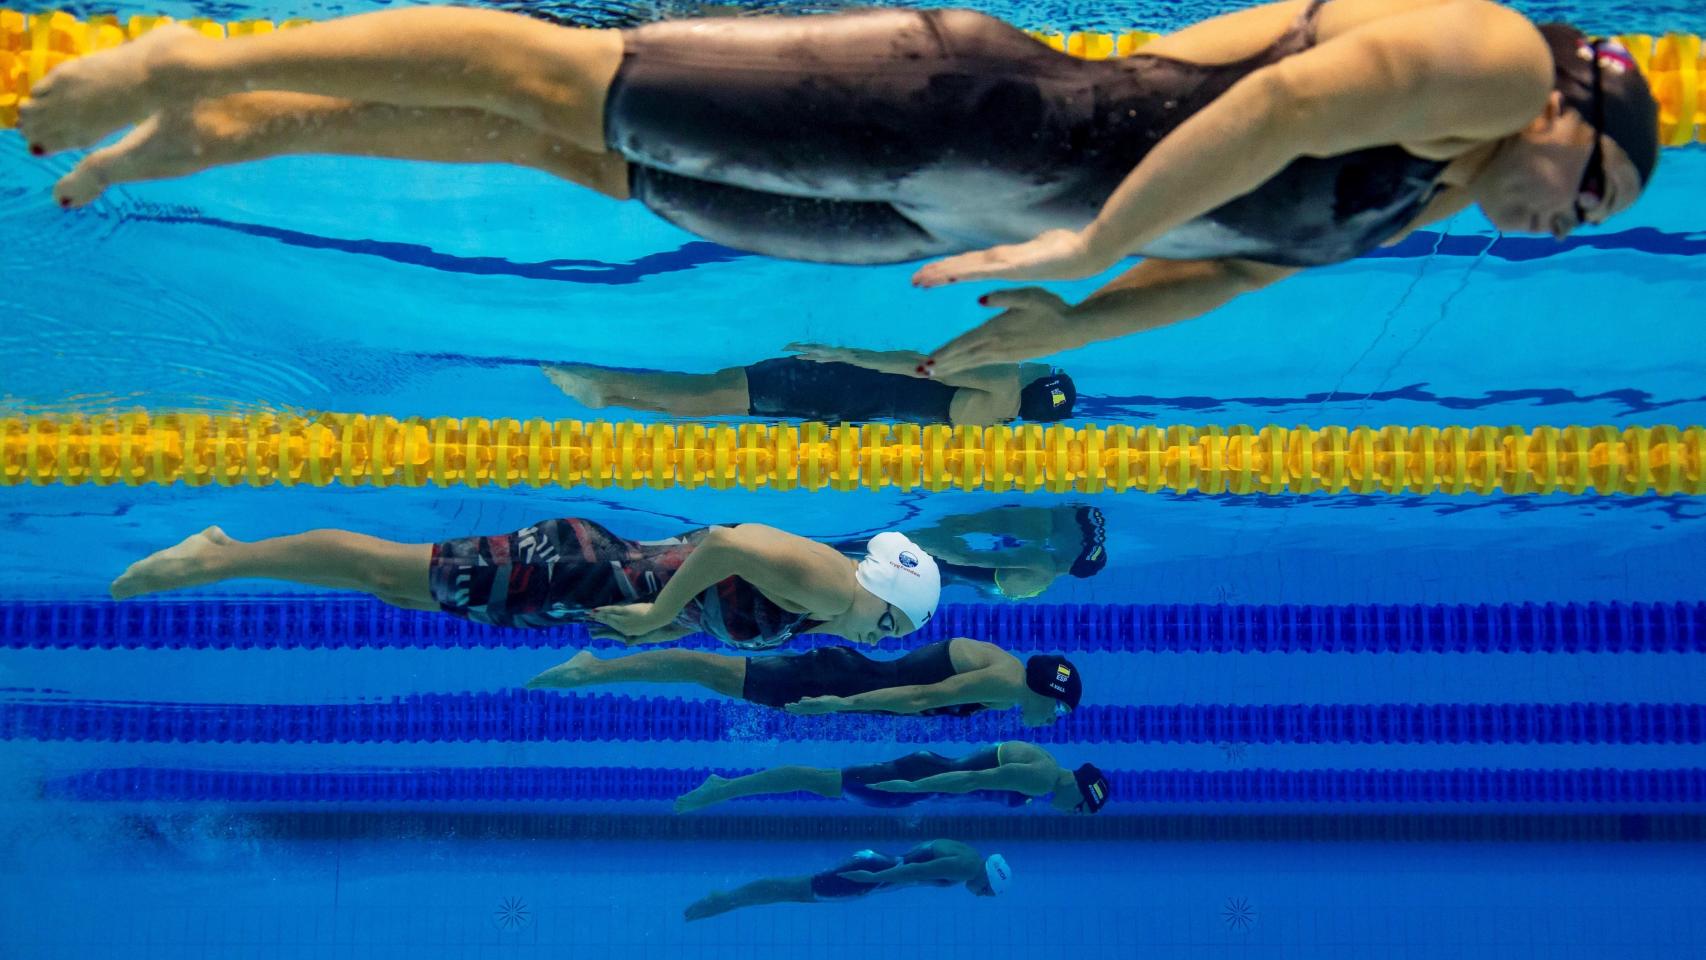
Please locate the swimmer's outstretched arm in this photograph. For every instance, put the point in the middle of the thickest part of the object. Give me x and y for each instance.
(1407, 78)
(1155, 293)
(787, 568)
(995, 377)
(943, 868)
(977, 686)
(1031, 779)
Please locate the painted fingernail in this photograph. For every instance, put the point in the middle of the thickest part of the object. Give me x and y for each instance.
(919, 368)
(37, 149)
(983, 300)
(65, 203)
(930, 362)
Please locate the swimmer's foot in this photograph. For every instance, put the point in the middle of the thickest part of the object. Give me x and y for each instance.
(577, 671)
(709, 906)
(173, 142)
(85, 99)
(577, 382)
(702, 796)
(187, 564)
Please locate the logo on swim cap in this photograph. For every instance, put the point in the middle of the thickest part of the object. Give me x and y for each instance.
(1062, 674)
(1057, 395)
(907, 560)
(1612, 55)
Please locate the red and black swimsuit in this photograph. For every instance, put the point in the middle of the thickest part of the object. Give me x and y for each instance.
(552, 573)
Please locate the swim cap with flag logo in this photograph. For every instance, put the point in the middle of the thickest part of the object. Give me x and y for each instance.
(899, 572)
(1093, 786)
(1054, 676)
(998, 873)
(1048, 399)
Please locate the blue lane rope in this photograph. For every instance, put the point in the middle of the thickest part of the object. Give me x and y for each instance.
(521, 784)
(1340, 826)
(521, 715)
(343, 622)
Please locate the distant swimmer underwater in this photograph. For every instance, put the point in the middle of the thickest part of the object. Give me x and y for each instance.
(937, 863)
(1230, 154)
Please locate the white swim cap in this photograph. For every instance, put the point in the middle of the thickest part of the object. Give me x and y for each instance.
(897, 571)
(998, 873)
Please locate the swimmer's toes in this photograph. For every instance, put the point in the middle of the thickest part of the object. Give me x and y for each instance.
(157, 149)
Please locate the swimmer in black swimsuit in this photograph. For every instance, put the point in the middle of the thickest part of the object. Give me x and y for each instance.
(938, 863)
(953, 678)
(1012, 773)
(1034, 547)
(1231, 153)
(751, 586)
(831, 385)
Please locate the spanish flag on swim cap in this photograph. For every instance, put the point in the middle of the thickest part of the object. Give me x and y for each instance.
(1630, 113)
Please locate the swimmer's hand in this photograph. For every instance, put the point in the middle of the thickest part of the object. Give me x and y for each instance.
(897, 786)
(1030, 326)
(662, 634)
(1053, 255)
(813, 706)
(819, 352)
(629, 619)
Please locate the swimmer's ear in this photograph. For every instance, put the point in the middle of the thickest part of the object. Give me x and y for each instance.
(1548, 116)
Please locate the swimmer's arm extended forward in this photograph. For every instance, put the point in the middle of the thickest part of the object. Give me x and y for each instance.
(977, 686)
(1152, 294)
(1410, 78)
(1000, 378)
(1031, 779)
(944, 868)
(788, 569)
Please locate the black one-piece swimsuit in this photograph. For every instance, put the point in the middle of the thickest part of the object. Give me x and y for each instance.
(890, 135)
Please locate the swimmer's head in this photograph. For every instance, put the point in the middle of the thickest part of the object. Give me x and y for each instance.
(1084, 790)
(1047, 399)
(903, 581)
(1591, 151)
(1053, 689)
(996, 877)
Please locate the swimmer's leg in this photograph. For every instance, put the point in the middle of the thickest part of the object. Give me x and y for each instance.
(723, 393)
(819, 780)
(756, 893)
(181, 140)
(394, 572)
(546, 76)
(715, 672)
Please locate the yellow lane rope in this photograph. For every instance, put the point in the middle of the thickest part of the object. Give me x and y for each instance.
(261, 449)
(31, 44)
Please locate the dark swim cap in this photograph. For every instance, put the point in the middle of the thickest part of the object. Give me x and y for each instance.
(1630, 113)
(1092, 786)
(1047, 399)
(1054, 676)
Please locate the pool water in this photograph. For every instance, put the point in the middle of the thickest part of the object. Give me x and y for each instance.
(261, 771)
